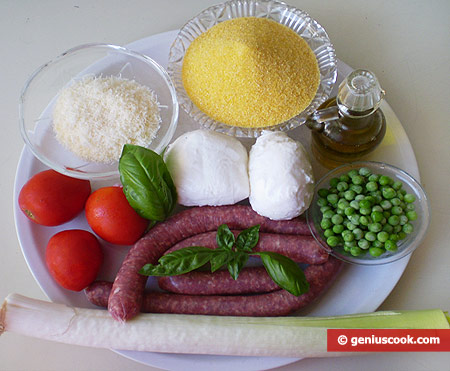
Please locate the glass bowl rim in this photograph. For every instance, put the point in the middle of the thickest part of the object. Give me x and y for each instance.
(122, 50)
(418, 189)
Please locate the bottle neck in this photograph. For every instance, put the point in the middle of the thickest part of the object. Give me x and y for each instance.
(348, 112)
(332, 113)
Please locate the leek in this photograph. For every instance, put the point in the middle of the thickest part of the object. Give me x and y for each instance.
(171, 333)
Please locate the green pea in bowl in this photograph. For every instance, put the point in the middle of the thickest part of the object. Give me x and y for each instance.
(369, 213)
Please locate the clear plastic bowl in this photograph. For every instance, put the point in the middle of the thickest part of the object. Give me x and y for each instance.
(405, 246)
(40, 92)
(297, 20)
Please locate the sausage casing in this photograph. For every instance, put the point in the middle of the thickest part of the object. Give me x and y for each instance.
(126, 295)
(276, 303)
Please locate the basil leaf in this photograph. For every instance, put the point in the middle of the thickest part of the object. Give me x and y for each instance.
(179, 262)
(236, 263)
(147, 183)
(224, 237)
(221, 257)
(284, 272)
(248, 238)
(153, 270)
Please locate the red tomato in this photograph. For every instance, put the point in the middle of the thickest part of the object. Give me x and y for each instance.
(74, 258)
(112, 218)
(50, 198)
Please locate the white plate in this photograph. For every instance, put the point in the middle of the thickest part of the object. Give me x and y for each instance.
(358, 288)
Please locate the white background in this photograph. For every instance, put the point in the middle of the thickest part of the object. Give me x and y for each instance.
(406, 44)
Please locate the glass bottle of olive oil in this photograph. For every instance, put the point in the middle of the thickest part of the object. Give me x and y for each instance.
(351, 125)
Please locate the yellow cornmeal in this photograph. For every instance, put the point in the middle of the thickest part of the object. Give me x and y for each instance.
(250, 72)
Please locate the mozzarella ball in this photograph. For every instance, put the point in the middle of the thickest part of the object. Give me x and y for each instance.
(281, 177)
(208, 168)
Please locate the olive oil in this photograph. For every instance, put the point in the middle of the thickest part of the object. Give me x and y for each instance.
(351, 125)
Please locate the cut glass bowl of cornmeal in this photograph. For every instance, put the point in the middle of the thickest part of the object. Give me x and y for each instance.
(242, 67)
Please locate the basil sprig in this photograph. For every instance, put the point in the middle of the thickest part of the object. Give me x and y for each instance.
(234, 253)
(147, 183)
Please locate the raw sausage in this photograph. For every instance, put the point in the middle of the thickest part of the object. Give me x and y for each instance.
(126, 295)
(251, 280)
(299, 248)
(98, 292)
(276, 303)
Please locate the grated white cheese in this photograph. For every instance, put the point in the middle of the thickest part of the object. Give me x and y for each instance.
(96, 116)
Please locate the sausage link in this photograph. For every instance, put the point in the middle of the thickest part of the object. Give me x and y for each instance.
(276, 303)
(127, 293)
(98, 292)
(251, 280)
(299, 248)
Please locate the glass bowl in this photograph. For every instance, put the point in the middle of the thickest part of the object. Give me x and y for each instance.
(41, 90)
(295, 19)
(405, 246)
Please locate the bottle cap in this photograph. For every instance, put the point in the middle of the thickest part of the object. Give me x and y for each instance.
(359, 94)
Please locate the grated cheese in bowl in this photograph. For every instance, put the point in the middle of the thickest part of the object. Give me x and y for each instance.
(95, 116)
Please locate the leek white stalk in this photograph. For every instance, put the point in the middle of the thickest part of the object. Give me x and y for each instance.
(171, 333)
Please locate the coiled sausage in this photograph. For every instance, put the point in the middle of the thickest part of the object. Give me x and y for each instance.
(251, 280)
(276, 303)
(126, 295)
(299, 248)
